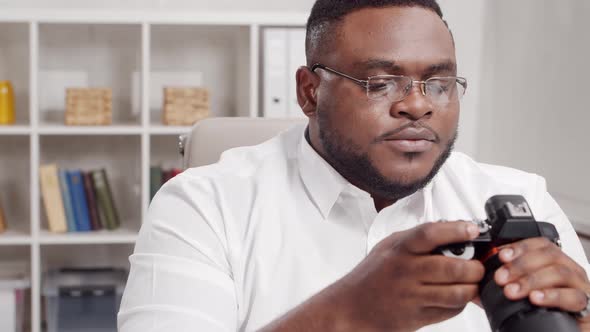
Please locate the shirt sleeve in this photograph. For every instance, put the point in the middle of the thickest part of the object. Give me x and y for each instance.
(180, 277)
(546, 208)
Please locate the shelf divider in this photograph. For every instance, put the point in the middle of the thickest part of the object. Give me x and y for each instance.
(34, 181)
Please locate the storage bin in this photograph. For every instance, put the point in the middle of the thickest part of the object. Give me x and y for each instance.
(78, 300)
(89, 106)
(183, 106)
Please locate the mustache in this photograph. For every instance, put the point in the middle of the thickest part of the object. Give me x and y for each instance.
(414, 124)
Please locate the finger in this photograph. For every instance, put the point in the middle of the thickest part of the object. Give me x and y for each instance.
(448, 296)
(534, 260)
(439, 269)
(427, 237)
(514, 250)
(553, 276)
(567, 299)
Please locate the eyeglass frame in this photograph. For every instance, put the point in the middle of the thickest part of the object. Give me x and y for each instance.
(365, 83)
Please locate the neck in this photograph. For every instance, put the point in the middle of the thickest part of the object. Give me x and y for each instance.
(382, 203)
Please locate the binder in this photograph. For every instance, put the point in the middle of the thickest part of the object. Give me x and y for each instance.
(296, 59)
(275, 72)
(283, 54)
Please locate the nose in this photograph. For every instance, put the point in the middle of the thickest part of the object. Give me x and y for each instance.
(414, 107)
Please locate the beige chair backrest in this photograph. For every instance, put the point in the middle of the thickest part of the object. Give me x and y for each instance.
(210, 137)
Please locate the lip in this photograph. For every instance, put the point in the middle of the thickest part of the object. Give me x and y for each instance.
(412, 140)
(404, 145)
(413, 134)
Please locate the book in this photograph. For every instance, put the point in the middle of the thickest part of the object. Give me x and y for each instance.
(155, 180)
(52, 198)
(105, 199)
(80, 208)
(101, 212)
(2, 220)
(95, 223)
(67, 200)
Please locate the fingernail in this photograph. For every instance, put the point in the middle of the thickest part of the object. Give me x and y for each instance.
(473, 230)
(502, 275)
(513, 288)
(537, 296)
(507, 253)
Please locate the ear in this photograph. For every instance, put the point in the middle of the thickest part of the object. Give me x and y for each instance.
(307, 86)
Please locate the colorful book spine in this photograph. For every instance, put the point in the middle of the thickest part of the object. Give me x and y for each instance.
(52, 199)
(95, 222)
(80, 207)
(65, 194)
(105, 199)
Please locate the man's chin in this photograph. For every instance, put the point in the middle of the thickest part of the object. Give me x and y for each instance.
(408, 184)
(407, 175)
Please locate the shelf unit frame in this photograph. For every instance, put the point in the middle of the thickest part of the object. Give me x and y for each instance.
(35, 130)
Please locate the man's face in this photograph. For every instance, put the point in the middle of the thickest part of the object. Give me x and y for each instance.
(365, 139)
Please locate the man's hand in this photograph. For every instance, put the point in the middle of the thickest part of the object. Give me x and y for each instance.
(399, 286)
(538, 269)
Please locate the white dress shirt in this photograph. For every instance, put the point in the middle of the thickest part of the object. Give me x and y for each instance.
(233, 245)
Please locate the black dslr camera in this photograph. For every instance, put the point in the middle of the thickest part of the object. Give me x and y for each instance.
(509, 219)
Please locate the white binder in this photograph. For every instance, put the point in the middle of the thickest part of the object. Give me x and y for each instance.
(275, 72)
(283, 53)
(296, 59)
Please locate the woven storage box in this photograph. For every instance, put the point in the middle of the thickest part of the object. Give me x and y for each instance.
(183, 106)
(89, 106)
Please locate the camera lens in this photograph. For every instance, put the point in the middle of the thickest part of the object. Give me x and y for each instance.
(516, 316)
(457, 250)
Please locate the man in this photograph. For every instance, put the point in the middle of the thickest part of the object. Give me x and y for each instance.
(330, 227)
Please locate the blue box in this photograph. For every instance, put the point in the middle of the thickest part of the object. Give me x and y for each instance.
(83, 299)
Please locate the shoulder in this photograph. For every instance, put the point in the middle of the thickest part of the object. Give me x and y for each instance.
(464, 169)
(470, 183)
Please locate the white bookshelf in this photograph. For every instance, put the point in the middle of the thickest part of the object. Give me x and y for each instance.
(109, 48)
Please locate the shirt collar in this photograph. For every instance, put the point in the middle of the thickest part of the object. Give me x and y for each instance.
(325, 184)
(322, 181)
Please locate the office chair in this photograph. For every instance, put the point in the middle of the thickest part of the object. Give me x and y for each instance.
(210, 137)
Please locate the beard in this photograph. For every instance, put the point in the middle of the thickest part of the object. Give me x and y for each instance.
(357, 167)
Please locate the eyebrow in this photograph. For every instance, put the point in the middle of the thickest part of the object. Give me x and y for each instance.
(377, 64)
(445, 66)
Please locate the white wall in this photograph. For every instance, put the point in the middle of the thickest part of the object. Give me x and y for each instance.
(465, 19)
(535, 109)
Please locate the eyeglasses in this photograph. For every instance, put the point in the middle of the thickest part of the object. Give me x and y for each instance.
(440, 91)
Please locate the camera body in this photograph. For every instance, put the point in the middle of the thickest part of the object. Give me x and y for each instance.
(510, 219)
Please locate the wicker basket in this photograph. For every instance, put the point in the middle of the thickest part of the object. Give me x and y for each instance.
(89, 106)
(183, 106)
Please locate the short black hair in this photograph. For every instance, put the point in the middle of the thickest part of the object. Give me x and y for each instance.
(327, 14)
